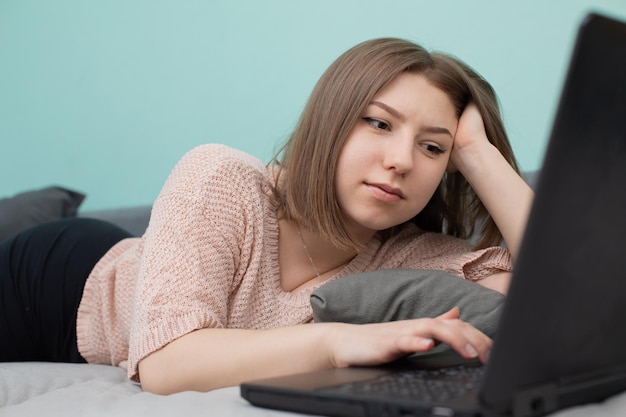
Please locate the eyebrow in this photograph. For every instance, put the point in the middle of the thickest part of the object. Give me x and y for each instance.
(395, 113)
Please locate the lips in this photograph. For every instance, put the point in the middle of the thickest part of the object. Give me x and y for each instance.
(386, 190)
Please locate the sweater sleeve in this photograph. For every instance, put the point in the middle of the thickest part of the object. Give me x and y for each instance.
(191, 250)
(457, 257)
(413, 249)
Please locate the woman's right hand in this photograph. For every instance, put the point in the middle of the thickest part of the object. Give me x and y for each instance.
(374, 344)
(207, 359)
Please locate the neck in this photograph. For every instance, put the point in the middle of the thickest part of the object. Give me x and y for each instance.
(306, 258)
(324, 254)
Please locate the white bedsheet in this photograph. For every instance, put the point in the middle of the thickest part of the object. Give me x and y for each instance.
(49, 389)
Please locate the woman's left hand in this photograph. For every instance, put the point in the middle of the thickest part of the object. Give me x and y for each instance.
(503, 192)
(469, 139)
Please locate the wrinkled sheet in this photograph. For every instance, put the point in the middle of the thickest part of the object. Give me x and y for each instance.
(52, 389)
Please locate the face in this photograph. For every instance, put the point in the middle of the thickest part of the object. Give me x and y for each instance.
(395, 156)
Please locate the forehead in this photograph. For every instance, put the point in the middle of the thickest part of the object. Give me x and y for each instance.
(411, 82)
(414, 96)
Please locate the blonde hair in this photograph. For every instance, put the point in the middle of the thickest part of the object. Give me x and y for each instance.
(305, 186)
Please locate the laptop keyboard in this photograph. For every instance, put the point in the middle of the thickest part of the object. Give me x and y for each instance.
(427, 385)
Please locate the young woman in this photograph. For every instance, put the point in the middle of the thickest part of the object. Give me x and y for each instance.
(399, 158)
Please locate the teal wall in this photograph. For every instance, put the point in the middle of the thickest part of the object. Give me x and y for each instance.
(105, 96)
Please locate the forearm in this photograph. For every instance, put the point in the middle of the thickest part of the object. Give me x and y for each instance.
(498, 282)
(504, 193)
(212, 358)
(207, 359)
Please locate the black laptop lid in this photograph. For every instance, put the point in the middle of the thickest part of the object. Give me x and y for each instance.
(562, 331)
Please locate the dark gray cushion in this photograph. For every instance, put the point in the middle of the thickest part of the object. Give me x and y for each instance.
(132, 219)
(35, 207)
(397, 294)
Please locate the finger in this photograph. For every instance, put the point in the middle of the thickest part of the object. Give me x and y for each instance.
(411, 344)
(468, 341)
(475, 338)
(453, 313)
(480, 343)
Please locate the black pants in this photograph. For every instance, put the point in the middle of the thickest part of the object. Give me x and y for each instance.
(42, 274)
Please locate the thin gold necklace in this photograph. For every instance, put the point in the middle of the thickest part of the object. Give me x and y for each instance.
(308, 254)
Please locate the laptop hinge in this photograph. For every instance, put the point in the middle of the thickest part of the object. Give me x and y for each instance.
(536, 401)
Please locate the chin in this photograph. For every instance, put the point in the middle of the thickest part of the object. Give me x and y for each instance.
(377, 226)
(378, 221)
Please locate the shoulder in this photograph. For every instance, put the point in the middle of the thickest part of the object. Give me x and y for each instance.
(213, 166)
(209, 157)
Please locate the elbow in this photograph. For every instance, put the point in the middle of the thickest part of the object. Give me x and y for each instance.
(163, 374)
(154, 379)
(159, 373)
(155, 388)
(181, 365)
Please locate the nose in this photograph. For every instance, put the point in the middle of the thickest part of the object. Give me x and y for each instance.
(398, 155)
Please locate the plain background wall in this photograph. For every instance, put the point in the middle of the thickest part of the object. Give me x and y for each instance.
(105, 96)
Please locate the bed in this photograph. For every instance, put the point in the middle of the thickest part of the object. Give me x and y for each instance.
(53, 389)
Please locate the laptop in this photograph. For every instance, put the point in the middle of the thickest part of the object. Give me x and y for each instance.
(561, 339)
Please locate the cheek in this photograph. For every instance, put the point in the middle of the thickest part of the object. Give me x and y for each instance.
(351, 161)
(342, 177)
(427, 181)
(444, 164)
(438, 174)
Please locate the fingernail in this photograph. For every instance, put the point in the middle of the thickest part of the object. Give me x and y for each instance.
(469, 349)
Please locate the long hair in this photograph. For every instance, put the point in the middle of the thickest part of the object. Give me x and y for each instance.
(455, 208)
(305, 180)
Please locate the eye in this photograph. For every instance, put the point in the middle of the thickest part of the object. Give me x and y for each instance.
(376, 123)
(433, 149)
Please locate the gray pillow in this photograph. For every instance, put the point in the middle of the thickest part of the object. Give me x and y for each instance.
(398, 294)
(31, 208)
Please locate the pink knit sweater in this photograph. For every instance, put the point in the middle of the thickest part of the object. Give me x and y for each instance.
(209, 258)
